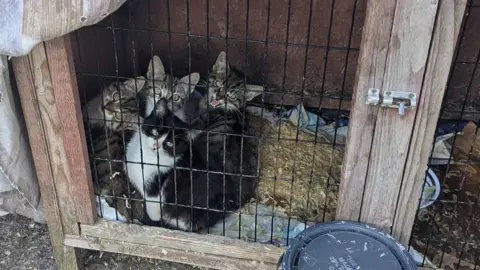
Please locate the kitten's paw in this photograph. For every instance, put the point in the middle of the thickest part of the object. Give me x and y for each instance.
(154, 211)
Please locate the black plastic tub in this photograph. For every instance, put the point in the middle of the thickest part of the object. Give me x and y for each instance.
(345, 245)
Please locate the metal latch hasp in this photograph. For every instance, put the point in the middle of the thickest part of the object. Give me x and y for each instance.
(392, 99)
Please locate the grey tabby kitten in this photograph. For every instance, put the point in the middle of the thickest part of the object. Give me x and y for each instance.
(163, 86)
(116, 107)
(228, 153)
(109, 179)
(226, 86)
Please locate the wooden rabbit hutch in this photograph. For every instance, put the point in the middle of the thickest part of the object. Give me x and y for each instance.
(323, 54)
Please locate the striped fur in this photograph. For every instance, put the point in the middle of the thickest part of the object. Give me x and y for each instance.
(227, 87)
(163, 86)
(107, 153)
(116, 107)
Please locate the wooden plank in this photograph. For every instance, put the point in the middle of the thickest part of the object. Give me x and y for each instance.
(35, 88)
(65, 90)
(370, 70)
(406, 62)
(442, 51)
(202, 250)
(312, 102)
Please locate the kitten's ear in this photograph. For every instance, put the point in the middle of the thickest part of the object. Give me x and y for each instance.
(184, 82)
(253, 91)
(134, 85)
(155, 69)
(221, 65)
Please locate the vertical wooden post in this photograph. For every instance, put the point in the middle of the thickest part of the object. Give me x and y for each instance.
(370, 70)
(386, 153)
(67, 100)
(447, 28)
(44, 130)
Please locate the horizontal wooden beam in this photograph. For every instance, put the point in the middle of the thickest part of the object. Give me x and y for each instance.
(291, 99)
(215, 252)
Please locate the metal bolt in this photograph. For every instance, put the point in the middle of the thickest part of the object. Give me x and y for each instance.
(388, 93)
(374, 91)
(401, 108)
(411, 95)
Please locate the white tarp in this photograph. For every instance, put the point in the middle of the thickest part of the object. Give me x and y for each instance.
(24, 24)
(19, 191)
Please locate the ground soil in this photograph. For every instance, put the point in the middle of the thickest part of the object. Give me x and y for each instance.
(25, 244)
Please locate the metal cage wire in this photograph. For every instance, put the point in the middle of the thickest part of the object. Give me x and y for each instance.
(287, 44)
(446, 232)
(124, 29)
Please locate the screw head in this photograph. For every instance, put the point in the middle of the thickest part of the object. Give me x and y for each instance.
(374, 91)
(411, 95)
(388, 93)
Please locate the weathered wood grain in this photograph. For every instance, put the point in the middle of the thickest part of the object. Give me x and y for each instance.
(210, 251)
(370, 71)
(442, 51)
(65, 90)
(38, 103)
(406, 62)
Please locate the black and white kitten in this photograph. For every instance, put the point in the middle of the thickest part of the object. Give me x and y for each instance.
(178, 197)
(150, 156)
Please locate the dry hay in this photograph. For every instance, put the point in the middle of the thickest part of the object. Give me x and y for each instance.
(307, 164)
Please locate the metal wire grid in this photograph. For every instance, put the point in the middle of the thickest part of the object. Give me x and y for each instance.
(448, 231)
(110, 24)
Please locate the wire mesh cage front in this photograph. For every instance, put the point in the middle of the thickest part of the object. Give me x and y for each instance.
(301, 58)
(300, 53)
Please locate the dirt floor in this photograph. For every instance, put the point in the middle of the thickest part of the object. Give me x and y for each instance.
(25, 244)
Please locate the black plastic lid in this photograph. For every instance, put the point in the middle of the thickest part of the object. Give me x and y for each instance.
(346, 245)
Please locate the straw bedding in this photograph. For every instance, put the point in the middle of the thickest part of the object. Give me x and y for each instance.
(295, 173)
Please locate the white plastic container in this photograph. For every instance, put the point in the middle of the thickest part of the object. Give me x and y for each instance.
(431, 189)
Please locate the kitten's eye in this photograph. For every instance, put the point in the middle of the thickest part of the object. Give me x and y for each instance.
(169, 144)
(176, 97)
(218, 84)
(118, 115)
(231, 96)
(116, 96)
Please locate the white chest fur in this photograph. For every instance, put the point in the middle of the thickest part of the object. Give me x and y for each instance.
(143, 162)
(143, 165)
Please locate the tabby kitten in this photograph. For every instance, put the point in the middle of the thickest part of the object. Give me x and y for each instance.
(228, 153)
(163, 86)
(116, 107)
(110, 181)
(226, 86)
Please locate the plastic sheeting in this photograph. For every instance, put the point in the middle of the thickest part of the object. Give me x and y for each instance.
(19, 191)
(25, 23)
